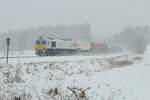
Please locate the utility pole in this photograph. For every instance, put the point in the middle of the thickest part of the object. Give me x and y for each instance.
(8, 43)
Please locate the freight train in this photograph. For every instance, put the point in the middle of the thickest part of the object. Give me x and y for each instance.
(52, 46)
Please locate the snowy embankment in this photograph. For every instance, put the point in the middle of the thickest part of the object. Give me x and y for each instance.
(108, 77)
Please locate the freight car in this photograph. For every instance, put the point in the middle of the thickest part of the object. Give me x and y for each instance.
(98, 47)
(51, 46)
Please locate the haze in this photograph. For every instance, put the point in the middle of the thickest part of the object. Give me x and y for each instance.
(106, 17)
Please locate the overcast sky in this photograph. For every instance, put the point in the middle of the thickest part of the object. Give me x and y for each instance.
(106, 17)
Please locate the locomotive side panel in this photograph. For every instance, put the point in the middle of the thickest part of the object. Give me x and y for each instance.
(60, 44)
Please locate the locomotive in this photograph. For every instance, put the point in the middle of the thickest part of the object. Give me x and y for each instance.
(46, 46)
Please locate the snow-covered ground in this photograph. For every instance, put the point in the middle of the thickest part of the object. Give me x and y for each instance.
(110, 77)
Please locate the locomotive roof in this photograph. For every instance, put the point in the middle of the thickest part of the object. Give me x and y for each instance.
(59, 39)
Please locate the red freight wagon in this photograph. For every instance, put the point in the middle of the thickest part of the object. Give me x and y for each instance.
(98, 46)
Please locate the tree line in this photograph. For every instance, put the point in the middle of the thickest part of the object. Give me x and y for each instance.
(25, 39)
(133, 38)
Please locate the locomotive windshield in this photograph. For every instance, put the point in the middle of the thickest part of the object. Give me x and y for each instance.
(37, 42)
(43, 42)
(40, 42)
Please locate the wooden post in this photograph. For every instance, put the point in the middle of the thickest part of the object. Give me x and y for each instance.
(8, 43)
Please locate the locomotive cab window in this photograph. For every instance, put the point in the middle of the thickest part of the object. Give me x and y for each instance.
(37, 42)
(53, 44)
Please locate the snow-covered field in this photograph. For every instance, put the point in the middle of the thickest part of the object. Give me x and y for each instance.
(110, 77)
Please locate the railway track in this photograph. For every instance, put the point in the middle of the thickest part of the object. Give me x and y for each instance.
(19, 57)
(42, 56)
(53, 59)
